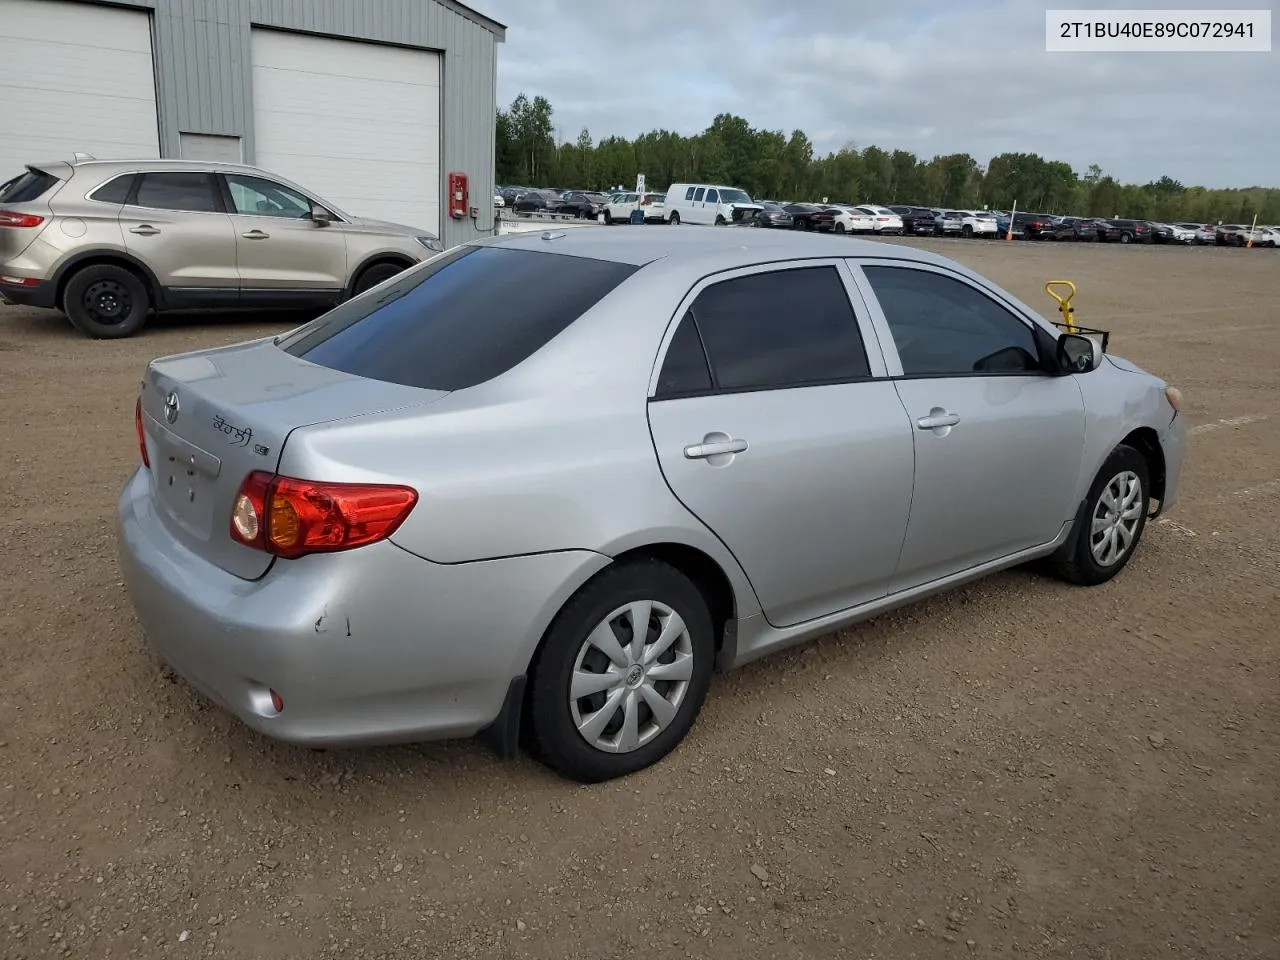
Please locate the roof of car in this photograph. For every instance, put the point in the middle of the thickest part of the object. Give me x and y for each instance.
(151, 163)
(640, 246)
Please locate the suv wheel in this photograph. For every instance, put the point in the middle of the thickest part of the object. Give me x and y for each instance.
(106, 302)
(1126, 237)
(623, 673)
(373, 275)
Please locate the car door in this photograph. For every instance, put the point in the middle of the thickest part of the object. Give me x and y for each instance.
(281, 252)
(175, 223)
(998, 439)
(698, 208)
(774, 424)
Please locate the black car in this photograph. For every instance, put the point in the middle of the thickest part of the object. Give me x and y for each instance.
(1230, 235)
(772, 215)
(538, 201)
(1124, 231)
(579, 203)
(810, 216)
(1028, 226)
(1071, 228)
(917, 219)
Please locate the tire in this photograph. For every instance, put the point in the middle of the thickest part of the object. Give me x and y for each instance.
(608, 219)
(839, 228)
(555, 737)
(373, 275)
(675, 218)
(1126, 238)
(967, 231)
(1076, 561)
(106, 302)
(1027, 234)
(721, 221)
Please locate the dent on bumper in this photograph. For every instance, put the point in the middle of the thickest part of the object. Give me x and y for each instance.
(375, 645)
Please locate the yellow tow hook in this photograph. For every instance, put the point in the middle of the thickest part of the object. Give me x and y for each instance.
(1064, 302)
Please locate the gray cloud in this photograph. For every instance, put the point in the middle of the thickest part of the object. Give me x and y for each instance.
(929, 76)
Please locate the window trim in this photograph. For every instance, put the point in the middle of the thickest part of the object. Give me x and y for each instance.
(876, 358)
(885, 334)
(214, 191)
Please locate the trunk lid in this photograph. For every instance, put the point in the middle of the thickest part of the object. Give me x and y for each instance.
(214, 416)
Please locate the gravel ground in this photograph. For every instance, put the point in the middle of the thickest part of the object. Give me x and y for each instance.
(1019, 769)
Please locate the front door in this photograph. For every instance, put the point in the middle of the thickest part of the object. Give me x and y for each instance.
(281, 252)
(173, 221)
(774, 425)
(998, 441)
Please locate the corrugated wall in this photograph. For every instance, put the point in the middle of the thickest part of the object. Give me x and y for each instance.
(204, 77)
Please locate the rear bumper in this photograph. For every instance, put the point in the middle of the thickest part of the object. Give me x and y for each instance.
(367, 647)
(40, 294)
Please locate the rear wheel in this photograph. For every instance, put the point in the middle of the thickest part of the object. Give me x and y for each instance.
(839, 227)
(967, 230)
(622, 673)
(1126, 237)
(1109, 523)
(106, 302)
(373, 275)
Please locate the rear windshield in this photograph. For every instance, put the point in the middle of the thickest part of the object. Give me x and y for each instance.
(26, 187)
(467, 316)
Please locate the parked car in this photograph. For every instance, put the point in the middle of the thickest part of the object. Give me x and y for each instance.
(883, 220)
(709, 204)
(848, 219)
(579, 203)
(1202, 233)
(498, 202)
(1230, 234)
(621, 205)
(537, 201)
(1026, 226)
(1266, 237)
(1124, 231)
(511, 194)
(1171, 233)
(915, 219)
(964, 223)
(772, 215)
(810, 216)
(110, 241)
(322, 521)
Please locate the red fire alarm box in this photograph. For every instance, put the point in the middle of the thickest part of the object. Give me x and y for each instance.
(458, 195)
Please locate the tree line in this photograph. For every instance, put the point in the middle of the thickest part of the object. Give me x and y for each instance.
(769, 163)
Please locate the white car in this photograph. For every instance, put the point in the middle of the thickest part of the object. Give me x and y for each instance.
(883, 220)
(1180, 233)
(966, 223)
(1266, 237)
(498, 202)
(621, 205)
(851, 220)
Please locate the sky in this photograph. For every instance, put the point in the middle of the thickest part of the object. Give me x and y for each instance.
(929, 76)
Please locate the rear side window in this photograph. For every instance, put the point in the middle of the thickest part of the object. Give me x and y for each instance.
(465, 317)
(784, 328)
(193, 192)
(698, 194)
(684, 368)
(115, 190)
(26, 187)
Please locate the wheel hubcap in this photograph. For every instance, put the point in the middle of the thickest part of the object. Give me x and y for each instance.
(631, 676)
(1115, 519)
(108, 301)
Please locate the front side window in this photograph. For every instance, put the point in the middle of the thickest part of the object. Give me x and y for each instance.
(713, 196)
(944, 327)
(192, 192)
(783, 328)
(462, 318)
(259, 197)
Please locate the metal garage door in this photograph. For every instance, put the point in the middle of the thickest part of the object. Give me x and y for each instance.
(357, 122)
(75, 77)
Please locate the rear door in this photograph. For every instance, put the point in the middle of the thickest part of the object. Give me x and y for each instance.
(998, 441)
(175, 222)
(279, 248)
(774, 424)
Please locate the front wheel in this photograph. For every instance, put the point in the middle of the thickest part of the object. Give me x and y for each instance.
(720, 220)
(374, 275)
(1126, 238)
(840, 228)
(622, 673)
(1109, 523)
(675, 219)
(106, 302)
(608, 218)
(967, 230)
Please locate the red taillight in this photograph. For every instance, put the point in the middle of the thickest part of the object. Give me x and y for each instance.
(10, 219)
(142, 434)
(291, 518)
(882, 218)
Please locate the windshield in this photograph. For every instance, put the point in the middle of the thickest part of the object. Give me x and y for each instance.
(730, 195)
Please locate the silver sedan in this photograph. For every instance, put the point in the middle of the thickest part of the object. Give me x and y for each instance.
(541, 488)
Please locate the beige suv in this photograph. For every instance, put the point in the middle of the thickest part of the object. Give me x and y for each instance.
(110, 241)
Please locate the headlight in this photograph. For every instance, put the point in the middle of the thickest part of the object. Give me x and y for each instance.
(431, 243)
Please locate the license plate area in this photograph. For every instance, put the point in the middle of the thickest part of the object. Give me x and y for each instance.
(186, 478)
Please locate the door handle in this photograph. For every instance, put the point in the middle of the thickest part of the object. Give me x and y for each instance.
(256, 235)
(936, 420)
(144, 230)
(701, 451)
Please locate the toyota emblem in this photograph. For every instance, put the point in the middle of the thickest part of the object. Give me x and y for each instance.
(171, 407)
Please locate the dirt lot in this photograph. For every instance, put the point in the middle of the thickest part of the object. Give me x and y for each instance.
(1021, 769)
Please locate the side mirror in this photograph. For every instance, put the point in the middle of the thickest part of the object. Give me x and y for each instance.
(320, 216)
(1076, 354)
